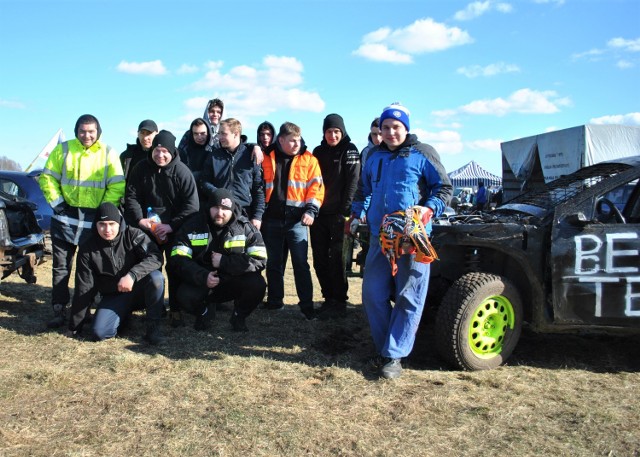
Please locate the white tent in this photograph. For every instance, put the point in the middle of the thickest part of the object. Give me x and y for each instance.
(470, 174)
(548, 156)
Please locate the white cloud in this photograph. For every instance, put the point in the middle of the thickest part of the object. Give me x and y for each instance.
(273, 85)
(477, 9)
(400, 45)
(152, 68)
(556, 2)
(493, 69)
(446, 142)
(186, 69)
(625, 45)
(626, 119)
(624, 64)
(615, 47)
(381, 53)
(488, 144)
(11, 104)
(591, 54)
(524, 101)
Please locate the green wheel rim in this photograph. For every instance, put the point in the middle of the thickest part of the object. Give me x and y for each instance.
(490, 322)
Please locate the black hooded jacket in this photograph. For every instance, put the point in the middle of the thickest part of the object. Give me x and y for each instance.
(192, 154)
(261, 127)
(340, 167)
(170, 191)
(101, 264)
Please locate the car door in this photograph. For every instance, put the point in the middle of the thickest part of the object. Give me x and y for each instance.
(595, 259)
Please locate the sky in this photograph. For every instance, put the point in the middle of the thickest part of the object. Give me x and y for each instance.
(472, 74)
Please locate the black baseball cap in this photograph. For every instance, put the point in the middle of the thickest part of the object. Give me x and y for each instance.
(148, 125)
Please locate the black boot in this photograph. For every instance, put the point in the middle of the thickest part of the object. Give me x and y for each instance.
(203, 319)
(238, 323)
(59, 316)
(154, 333)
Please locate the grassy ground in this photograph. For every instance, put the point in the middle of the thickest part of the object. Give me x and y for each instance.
(292, 387)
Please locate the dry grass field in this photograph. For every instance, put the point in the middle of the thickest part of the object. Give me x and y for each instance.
(291, 387)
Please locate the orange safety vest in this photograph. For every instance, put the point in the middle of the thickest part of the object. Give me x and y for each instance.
(305, 180)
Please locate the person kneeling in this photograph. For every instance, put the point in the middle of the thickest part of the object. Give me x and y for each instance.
(219, 256)
(123, 265)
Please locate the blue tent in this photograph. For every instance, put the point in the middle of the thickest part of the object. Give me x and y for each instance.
(470, 174)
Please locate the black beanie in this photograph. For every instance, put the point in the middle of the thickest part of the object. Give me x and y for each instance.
(334, 121)
(108, 212)
(221, 197)
(165, 139)
(87, 119)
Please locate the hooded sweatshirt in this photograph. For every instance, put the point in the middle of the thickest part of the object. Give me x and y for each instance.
(340, 166)
(101, 264)
(213, 129)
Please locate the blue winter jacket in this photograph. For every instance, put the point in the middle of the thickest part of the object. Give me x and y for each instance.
(396, 180)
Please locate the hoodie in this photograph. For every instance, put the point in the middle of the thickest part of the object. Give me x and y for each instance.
(101, 264)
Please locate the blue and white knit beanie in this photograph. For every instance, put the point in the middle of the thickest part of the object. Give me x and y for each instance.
(397, 112)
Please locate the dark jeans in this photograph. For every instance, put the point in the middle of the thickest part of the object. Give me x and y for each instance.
(279, 235)
(62, 255)
(327, 239)
(147, 293)
(247, 291)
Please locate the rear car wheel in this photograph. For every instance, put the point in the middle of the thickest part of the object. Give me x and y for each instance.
(479, 322)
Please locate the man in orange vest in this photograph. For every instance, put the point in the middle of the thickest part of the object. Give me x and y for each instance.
(294, 193)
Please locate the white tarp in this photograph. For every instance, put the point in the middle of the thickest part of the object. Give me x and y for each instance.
(565, 151)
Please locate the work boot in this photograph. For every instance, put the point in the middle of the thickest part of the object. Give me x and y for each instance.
(238, 323)
(336, 310)
(309, 312)
(154, 334)
(59, 316)
(176, 319)
(392, 369)
(203, 320)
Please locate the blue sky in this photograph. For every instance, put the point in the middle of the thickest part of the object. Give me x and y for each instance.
(473, 74)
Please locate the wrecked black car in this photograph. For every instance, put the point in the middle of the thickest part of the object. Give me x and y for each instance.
(21, 238)
(563, 257)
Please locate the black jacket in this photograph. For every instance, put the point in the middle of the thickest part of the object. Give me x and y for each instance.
(238, 173)
(239, 242)
(340, 167)
(101, 264)
(170, 191)
(131, 156)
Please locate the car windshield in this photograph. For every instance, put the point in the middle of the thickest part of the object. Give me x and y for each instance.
(565, 187)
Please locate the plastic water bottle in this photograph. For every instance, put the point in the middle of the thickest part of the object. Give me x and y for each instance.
(155, 221)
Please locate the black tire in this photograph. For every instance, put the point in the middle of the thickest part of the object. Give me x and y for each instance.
(479, 322)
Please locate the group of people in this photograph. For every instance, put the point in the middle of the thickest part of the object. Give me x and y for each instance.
(217, 211)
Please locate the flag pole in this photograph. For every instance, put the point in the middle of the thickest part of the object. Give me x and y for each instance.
(56, 139)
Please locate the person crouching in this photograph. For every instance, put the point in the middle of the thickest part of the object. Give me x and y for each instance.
(219, 256)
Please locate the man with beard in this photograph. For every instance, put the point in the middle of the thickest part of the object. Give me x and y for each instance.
(339, 161)
(219, 256)
(123, 265)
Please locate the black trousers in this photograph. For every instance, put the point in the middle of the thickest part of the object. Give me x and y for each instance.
(246, 291)
(62, 256)
(327, 238)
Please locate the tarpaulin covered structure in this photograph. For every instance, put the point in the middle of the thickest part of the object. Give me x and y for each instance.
(470, 174)
(533, 160)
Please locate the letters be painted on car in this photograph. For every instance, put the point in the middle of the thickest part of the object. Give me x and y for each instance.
(563, 257)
